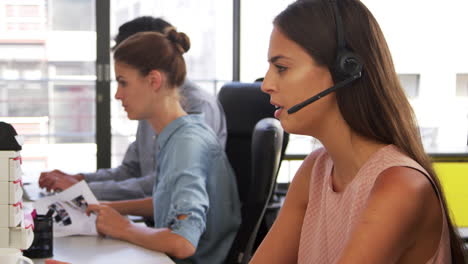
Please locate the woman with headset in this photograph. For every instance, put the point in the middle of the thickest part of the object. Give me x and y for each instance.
(370, 195)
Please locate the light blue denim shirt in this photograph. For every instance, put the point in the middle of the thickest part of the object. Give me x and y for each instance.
(194, 178)
(134, 178)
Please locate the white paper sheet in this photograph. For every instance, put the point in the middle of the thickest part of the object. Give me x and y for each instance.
(69, 210)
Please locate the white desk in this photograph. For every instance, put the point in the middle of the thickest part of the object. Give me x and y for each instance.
(99, 250)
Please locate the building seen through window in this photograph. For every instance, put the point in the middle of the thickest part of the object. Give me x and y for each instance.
(462, 85)
(47, 80)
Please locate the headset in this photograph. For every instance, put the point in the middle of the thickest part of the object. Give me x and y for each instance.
(346, 69)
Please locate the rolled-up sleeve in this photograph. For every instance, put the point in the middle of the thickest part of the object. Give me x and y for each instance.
(188, 170)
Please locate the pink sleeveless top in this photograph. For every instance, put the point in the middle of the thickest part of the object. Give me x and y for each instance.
(330, 216)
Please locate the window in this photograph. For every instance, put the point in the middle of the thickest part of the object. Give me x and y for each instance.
(82, 18)
(256, 26)
(462, 85)
(22, 16)
(29, 11)
(442, 117)
(410, 83)
(47, 82)
(255, 31)
(47, 66)
(25, 10)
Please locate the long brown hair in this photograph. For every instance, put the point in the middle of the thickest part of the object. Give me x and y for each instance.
(375, 106)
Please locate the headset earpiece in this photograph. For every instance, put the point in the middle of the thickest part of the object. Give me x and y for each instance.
(347, 64)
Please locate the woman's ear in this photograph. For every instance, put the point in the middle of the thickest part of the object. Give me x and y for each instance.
(156, 79)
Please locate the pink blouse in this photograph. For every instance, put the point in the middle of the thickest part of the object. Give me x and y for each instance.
(330, 216)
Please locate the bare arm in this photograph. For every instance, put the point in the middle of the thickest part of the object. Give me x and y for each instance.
(397, 210)
(281, 244)
(110, 222)
(160, 239)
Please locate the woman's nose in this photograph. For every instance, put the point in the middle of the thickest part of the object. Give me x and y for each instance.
(267, 84)
(117, 94)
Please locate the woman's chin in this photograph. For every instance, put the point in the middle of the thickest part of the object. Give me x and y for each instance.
(292, 127)
(286, 125)
(131, 117)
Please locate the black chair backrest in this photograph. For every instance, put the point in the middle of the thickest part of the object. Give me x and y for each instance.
(267, 140)
(244, 105)
(256, 170)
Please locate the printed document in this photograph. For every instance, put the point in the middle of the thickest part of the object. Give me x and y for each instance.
(68, 209)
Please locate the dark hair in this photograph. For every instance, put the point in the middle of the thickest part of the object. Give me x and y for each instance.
(375, 106)
(147, 51)
(140, 24)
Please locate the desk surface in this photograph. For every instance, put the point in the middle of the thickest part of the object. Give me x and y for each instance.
(100, 250)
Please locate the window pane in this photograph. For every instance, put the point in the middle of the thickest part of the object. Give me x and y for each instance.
(47, 82)
(462, 85)
(256, 25)
(410, 83)
(208, 24)
(435, 50)
(81, 19)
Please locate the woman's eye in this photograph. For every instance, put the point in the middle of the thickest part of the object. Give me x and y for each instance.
(280, 68)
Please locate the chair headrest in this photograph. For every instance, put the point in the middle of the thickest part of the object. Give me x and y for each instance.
(244, 104)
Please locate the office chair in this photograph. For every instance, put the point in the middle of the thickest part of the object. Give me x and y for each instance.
(267, 140)
(245, 105)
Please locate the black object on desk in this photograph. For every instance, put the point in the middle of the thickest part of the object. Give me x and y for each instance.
(42, 246)
(7, 137)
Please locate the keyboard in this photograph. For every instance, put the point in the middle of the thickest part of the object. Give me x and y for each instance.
(32, 192)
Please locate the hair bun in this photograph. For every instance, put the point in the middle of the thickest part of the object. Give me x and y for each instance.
(180, 39)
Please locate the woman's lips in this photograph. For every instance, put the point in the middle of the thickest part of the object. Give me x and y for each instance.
(278, 111)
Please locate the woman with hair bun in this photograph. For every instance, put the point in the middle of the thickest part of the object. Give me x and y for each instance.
(195, 203)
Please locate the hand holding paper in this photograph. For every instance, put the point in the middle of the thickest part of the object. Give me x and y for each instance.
(109, 221)
(69, 210)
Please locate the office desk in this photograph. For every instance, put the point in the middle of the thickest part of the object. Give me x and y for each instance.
(96, 249)
(100, 250)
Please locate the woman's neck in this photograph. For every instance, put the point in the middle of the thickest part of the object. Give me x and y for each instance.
(349, 152)
(167, 110)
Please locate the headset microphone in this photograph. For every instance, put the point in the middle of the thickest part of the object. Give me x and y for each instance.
(347, 68)
(314, 98)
